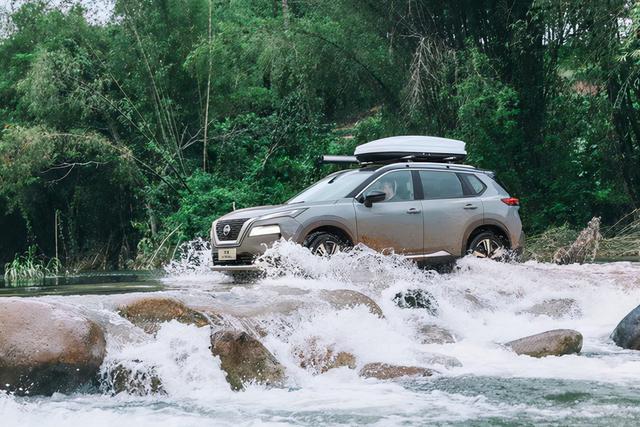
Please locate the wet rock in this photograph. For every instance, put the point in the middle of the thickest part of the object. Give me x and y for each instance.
(345, 298)
(384, 371)
(416, 298)
(627, 333)
(46, 349)
(441, 359)
(342, 359)
(319, 359)
(557, 342)
(149, 312)
(555, 308)
(245, 359)
(434, 334)
(137, 380)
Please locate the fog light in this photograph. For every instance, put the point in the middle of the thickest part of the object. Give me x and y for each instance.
(263, 230)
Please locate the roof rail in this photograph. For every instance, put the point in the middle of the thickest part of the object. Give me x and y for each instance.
(428, 158)
(340, 160)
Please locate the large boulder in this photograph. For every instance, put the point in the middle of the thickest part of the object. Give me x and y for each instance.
(345, 298)
(46, 349)
(627, 333)
(417, 298)
(149, 312)
(556, 308)
(245, 359)
(385, 371)
(557, 342)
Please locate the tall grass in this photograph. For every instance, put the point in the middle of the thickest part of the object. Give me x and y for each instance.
(29, 269)
(621, 240)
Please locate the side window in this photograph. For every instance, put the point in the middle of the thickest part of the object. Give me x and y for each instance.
(398, 186)
(473, 185)
(440, 185)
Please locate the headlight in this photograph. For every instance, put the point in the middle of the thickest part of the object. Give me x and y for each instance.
(262, 230)
(291, 212)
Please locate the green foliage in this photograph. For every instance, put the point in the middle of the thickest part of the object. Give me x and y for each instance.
(105, 123)
(42, 171)
(488, 119)
(29, 269)
(257, 161)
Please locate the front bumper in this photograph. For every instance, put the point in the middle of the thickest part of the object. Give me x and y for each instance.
(235, 268)
(248, 247)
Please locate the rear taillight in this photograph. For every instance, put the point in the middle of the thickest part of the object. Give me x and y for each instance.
(511, 201)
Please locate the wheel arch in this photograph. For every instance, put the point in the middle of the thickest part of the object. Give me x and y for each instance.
(328, 227)
(493, 226)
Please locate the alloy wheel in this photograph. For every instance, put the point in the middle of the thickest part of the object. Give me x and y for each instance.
(488, 248)
(326, 248)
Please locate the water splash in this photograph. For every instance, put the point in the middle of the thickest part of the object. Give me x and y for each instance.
(176, 361)
(194, 257)
(482, 303)
(357, 265)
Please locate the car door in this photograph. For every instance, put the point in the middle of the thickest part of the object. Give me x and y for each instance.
(394, 224)
(449, 208)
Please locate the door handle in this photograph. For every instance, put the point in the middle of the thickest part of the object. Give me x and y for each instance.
(414, 211)
(470, 206)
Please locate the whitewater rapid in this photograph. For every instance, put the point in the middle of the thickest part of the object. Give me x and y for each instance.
(482, 303)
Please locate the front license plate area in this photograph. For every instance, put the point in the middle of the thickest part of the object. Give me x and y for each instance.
(227, 254)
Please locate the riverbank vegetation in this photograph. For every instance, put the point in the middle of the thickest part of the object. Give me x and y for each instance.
(124, 135)
(618, 241)
(29, 268)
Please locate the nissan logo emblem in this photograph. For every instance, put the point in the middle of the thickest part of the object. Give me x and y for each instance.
(226, 230)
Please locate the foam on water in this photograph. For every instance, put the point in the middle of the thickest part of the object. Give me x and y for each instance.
(483, 303)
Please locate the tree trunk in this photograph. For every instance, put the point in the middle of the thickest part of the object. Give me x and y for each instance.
(206, 106)
(285, 13)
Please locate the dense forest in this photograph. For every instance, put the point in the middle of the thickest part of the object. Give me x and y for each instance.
(123, 137)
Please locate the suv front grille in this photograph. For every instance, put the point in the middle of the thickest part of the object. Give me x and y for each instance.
(235, 225)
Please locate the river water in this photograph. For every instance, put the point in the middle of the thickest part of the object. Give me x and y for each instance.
(483, 303)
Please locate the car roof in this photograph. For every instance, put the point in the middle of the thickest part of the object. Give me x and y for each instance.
(417, 165)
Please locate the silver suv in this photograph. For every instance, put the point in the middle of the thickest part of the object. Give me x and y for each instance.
(429, 212)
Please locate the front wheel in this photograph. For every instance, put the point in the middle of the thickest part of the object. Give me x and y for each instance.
(325, 244)
(487, 245)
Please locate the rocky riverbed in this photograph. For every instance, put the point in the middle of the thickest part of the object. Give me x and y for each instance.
(357, 339)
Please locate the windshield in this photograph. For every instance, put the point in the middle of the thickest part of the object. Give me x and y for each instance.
(333, 187)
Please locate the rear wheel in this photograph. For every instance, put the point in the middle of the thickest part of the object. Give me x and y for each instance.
(487, 245)
(323, 243)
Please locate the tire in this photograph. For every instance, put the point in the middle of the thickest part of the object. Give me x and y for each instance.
(323, 243)
(488, 245)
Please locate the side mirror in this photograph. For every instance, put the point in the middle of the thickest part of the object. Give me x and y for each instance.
(374, 197)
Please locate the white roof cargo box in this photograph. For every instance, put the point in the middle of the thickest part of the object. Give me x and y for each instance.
(429, 148)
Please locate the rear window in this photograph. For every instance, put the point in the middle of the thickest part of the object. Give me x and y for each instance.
(441, 185)
(473, 185)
